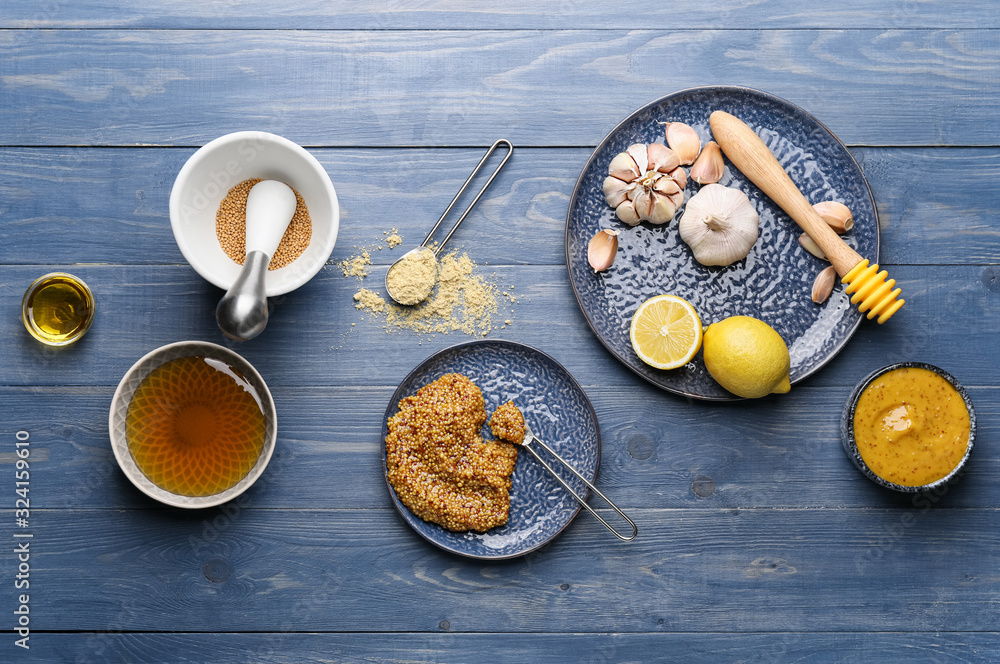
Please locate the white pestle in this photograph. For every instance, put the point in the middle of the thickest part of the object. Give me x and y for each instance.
(242, 312)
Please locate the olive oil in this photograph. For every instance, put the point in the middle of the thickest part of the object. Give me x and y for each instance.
(57, 309)
(195, 426)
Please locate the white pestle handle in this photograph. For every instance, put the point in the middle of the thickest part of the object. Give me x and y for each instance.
(270, 207)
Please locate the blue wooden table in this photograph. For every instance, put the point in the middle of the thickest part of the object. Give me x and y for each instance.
(758, 542)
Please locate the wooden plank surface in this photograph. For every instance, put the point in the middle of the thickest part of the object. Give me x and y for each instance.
(78, 200)
(520, 14)
(365, 570)
(657, 452)
(448, 648)
(310, 339)
(426, 88)
(759, 541)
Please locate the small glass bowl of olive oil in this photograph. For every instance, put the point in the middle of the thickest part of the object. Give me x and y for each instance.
(57, 309)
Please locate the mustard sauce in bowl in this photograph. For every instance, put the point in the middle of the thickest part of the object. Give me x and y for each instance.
(909, 426)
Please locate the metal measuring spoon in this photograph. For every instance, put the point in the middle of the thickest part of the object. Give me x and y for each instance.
(242, 311)
(417, 295)
(528, 443)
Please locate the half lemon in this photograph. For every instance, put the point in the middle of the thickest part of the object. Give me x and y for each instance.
(666, 332)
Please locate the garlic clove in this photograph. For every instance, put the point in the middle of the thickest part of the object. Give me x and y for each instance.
(837, 215)
(638, 153)
(661, 158)
(679, 176)
(666, 185)
(823, 285)
(602, 249)
(684, 141)
(644, 204)
(708, 168)
(627, 213)
(623, 167)
(810, 245)
(663, 209)
(615, 190)
(677, 199)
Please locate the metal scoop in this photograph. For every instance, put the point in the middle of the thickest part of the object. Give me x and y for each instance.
(242, 311)
(530, 439)
(422, 290)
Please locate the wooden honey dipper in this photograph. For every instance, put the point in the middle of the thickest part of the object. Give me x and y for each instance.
(749, 154)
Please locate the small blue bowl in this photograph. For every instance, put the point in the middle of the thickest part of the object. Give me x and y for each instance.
(850, 444)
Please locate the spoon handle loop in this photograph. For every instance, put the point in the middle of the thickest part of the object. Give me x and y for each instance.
(510, 150)
(529, 440)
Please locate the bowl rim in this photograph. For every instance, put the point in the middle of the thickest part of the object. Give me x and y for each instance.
(190, 255)
(119, 445)
(850, 444)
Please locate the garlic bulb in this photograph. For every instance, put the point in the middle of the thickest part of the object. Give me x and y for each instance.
(643, 184)
(719, 224)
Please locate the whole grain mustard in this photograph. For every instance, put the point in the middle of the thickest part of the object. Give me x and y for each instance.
(439, 464)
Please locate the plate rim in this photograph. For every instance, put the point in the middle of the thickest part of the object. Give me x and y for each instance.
(657, 102)
(393, 405)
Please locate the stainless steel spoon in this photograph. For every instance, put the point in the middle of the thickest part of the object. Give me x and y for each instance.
(423, 245)
(242, 311)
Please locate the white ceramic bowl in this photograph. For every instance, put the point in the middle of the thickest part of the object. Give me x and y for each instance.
(131, 381)
(215, 168)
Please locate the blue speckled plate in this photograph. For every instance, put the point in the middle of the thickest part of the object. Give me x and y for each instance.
(557, 410)
(772, 283)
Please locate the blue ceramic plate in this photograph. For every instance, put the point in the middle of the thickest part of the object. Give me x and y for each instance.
(557, 410)
(773, 282)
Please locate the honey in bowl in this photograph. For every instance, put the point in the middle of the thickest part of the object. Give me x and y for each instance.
(911, 426)
(195, 426)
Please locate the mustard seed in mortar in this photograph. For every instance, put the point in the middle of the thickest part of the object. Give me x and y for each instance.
(439, 465)
(412, 279)
(231, 227)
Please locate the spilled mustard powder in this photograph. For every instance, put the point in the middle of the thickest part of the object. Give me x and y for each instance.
(357, 266)
(393, 238)
(462, 301)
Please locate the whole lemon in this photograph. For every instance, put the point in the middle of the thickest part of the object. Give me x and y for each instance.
(747, 357)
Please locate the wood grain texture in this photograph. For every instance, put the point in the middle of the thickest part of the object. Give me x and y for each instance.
(758, 542)
(310, 339)
(522, 14)
(448, 648)
(424, 88)
(656, 452)
(935, 205)
(365, 570)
